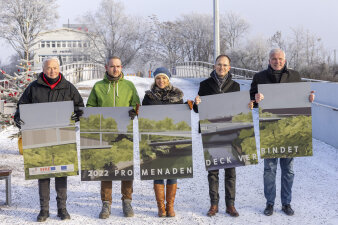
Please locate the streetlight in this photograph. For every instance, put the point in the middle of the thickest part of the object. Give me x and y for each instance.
(216, 29)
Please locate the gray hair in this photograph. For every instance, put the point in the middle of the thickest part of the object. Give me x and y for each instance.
(49, 59)
(276, 50)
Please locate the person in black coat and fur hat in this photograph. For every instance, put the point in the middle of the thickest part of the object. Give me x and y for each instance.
(162, 92)
(220, 81)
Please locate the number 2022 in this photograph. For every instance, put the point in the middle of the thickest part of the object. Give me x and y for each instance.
(98, 173)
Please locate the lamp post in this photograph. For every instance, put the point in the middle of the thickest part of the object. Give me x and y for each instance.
(216, 29)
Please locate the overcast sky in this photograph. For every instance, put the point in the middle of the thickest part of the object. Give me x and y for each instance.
(265, 16)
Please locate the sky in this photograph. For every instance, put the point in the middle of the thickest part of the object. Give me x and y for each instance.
(265, 16)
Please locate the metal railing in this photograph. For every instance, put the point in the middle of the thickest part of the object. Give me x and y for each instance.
(198, 69)
(77, 72)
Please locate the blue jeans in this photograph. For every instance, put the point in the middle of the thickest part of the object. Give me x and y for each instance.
(169, 181)
(270, 168)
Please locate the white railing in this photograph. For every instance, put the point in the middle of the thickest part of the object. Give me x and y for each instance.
(77, 72)
(198, 69)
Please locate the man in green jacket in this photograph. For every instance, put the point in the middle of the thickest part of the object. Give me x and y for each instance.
(114, 91)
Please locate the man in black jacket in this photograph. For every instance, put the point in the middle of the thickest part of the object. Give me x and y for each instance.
(220, 81)
(51, 86)
(277, 72)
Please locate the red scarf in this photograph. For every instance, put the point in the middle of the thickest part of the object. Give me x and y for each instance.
(51, 85)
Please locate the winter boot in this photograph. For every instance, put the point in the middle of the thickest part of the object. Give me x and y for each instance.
(171, 193)
(288, 210)
(43, 215)
(160, 197)
(127, 209)
(63, 214)
(105, 212)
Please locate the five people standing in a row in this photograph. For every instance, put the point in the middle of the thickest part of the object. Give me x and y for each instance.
(115, 91)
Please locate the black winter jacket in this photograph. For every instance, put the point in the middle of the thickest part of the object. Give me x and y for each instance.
(154, 96)
(210, 87)
(38, 92)
(266, 77)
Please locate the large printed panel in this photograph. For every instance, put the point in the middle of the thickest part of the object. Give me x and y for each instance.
(285, 120)
(165, 142)
(106, 139)
(49, 140)
(227, 130)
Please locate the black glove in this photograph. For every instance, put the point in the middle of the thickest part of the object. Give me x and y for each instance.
(18, 122)
(76, 115)
(132, 114)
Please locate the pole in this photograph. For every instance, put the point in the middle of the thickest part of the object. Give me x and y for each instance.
(216, 29)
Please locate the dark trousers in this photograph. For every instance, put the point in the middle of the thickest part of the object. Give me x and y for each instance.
(229, 183)
(61, 192)
(169, 181)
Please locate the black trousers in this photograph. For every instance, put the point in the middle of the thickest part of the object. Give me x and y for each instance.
(229, 183)
(61, 192)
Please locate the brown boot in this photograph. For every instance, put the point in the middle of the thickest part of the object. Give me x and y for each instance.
(213, 210)
(231, 210)
(171, 193)
(160, 197)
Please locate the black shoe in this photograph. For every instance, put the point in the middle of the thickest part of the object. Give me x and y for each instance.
(43, 215)
(288, 210)
(63, 214)
(268, 211)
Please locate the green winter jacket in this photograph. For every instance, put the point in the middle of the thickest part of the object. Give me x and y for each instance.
(121, 93)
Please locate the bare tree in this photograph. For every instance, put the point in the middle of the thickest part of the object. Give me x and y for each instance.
(112, 32)
(233, 27)
(22, 20)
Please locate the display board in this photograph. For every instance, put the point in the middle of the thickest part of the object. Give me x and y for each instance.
(227, 130)
(48, 140)
(285, 121)
(106, 144)
(165, 142)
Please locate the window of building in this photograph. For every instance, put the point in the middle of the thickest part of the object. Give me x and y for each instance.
(64, 59)
(42, 44)
(74, 44)
(58, 44)
(53, 44)
(79, 44)
(47, 44)
(64, 44)
(85, 44)
(69, 44)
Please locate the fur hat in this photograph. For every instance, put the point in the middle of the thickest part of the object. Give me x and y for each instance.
(162, 71)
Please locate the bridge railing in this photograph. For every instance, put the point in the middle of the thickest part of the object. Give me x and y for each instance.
(77, 72)
(198, 69)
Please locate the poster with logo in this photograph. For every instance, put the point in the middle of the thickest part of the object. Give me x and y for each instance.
(48, 140)
(106, 144)
(227, 130)
(165, 142)
(285, 121)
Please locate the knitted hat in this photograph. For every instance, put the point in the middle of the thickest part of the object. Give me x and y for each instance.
(162, 71)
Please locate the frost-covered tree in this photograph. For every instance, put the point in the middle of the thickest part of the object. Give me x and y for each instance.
(22, 20)
(113, 32)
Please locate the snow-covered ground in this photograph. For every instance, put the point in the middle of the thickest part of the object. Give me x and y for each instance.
(315, 192)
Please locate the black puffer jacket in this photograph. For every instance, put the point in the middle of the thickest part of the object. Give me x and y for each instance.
(38, 92)
(266, 77)
(168, 95)
(210, 87)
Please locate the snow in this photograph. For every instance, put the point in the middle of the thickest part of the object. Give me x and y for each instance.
(314, 199)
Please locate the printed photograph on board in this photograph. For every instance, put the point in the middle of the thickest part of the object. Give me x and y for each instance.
(106, 143)
(49, 140)
(285, 121)
(227, 131)
(165, 142)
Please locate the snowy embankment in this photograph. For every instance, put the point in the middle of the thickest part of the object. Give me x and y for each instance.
(314, 192)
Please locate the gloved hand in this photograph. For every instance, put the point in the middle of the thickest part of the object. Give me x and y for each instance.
(76, 115)
(18, 122)
(132, 114)
(190, 104)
